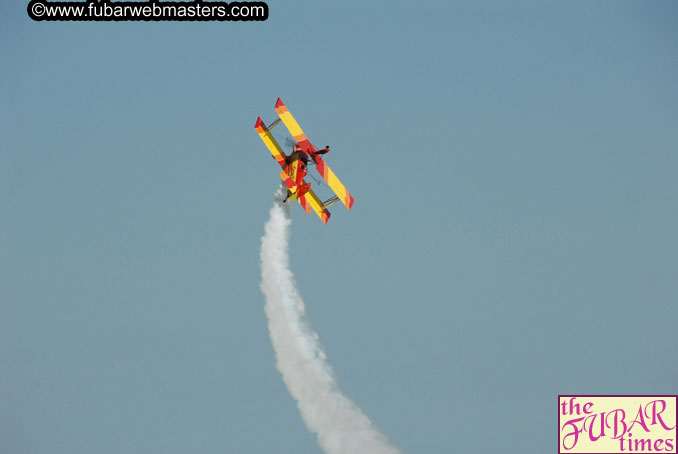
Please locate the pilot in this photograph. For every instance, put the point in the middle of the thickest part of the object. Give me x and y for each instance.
(297, 151)
(323, 150)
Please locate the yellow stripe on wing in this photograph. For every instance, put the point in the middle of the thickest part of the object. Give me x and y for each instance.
(291, 124)
(334, 183)
(270, 142)
(317, 206)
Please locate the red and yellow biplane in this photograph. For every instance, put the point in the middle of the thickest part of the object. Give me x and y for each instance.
(295, 165)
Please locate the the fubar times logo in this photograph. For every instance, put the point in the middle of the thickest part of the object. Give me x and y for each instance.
(617, 424)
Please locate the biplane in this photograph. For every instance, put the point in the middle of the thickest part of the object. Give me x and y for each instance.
(295, 165)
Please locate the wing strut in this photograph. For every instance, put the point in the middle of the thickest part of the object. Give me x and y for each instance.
(274, 124)
(331, 201)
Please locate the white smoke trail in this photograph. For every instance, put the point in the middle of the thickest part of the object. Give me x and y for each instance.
(341, 426)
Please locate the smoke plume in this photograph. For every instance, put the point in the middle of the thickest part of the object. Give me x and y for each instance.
(341, 426)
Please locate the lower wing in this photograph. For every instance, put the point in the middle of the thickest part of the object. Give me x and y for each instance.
(310, 200)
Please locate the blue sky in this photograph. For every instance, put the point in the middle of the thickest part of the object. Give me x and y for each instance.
(514, 234)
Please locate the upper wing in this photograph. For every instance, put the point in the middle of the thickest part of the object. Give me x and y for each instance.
(293, 127)
(323, 169)
(333, 182)
(291, 124)
(270, 142)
